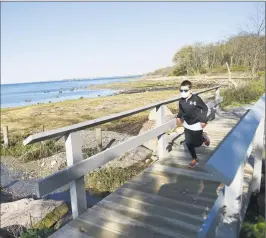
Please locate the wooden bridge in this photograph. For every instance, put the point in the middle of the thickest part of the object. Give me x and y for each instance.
(167, 199)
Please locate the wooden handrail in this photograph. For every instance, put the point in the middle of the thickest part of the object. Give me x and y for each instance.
(77, 167)
(236, 145)
(60, 132)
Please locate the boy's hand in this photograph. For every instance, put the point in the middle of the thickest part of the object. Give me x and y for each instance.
(178, 122)
(203, 125)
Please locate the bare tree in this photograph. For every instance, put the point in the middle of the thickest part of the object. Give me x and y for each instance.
(255, 39)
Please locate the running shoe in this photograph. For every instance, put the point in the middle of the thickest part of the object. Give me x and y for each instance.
(206, 139)
(193, 163)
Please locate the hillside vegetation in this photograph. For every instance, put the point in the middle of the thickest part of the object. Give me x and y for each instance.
(243, 52)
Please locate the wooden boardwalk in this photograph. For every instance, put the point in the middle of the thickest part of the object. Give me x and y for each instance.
(166, 200)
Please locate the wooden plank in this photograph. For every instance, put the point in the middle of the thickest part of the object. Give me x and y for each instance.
(110, 219)
(139, 206)
(68, 231)
(60, 132)
(77, 187)
(176, 187)
(71, 173)
(236, 144)
(158, 178)
(184, 172)
(153, 216)
(161, 147)
(173, 204)
(95, 226)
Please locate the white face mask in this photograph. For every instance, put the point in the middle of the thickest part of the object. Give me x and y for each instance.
(185, 94)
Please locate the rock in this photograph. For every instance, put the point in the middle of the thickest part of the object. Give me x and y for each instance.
(147, 161)
(42, 164)
(6, 234)
(12, 231)
(64, 220)
(29, 213)
(53, 162)
(167, 112)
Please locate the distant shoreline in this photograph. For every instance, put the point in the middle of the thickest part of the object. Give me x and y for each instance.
(76, 79)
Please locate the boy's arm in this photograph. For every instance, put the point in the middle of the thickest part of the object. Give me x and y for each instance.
(179, 115)
(200, 104)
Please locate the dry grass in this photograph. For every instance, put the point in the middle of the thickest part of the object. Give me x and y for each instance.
(30, 119)
(152, 84)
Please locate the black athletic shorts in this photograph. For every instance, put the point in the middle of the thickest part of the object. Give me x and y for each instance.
(194, 137)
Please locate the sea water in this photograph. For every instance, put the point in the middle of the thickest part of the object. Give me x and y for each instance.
(22, 94)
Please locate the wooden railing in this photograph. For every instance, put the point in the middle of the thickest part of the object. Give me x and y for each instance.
(77, 167)
(227, 166)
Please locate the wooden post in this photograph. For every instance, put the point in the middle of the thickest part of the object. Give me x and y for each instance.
(258, 150)
(99, 139)
(77, 187)
(161, 140)
(5, 133)
(42, 128)
(233, 200)
(217, 100)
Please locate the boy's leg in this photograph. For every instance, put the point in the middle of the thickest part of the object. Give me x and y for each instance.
(193, 154)
(190, 142)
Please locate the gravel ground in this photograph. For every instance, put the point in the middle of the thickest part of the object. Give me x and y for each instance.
(19, 180)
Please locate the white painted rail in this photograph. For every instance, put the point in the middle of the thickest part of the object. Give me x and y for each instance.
(78, 167)
(227, 165)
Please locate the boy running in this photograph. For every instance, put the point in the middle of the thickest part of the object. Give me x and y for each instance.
(193, 116)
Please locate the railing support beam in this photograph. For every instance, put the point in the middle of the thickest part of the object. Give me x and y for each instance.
(258, 149)
(77, 188)
(161, 148)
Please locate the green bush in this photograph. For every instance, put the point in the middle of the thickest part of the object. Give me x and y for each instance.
(30, 152)
(179, 71)
(37, 233)
(261, 73)
(244, 94)
(203, 71)
(256, 230)
(218, 70)
(238, 68)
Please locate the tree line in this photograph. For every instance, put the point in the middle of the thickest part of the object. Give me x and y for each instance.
(244, 51)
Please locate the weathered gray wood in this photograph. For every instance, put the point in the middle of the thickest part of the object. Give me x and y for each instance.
(68, 231)
(178, 171)
(79, 169)
(235, 146)
(77, 187)
(173, 204)
(60, 132)
(5, 134)
(112, 219)
(161, 147)
(258, 149)
(99, 139)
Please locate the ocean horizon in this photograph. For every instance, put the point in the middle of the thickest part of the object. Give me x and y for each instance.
(29, 93)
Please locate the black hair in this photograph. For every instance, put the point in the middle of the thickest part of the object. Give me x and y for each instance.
(186, 83)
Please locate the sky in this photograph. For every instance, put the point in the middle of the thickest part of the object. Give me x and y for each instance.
(43, 41)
